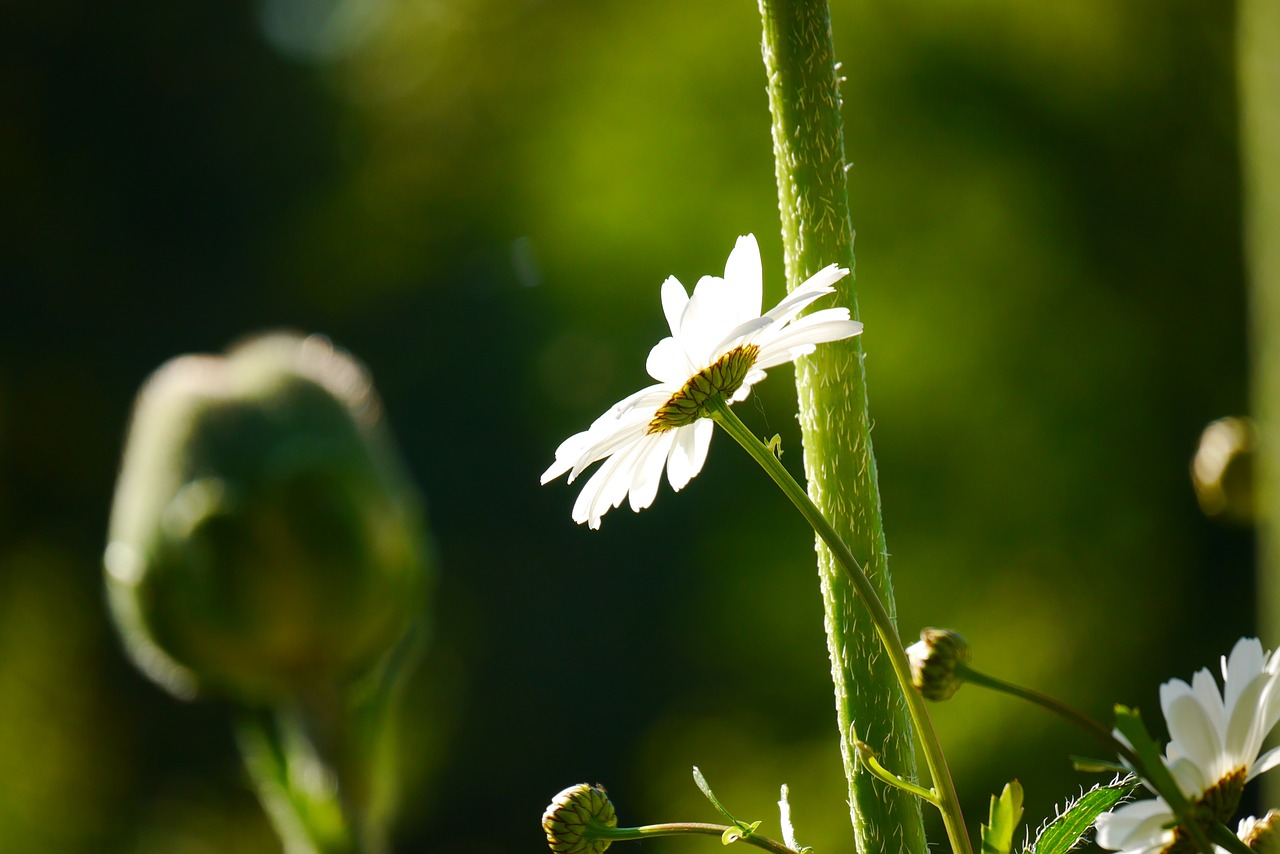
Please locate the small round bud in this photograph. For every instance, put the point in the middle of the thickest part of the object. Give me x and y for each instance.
(264, 539)
(933, 663)
(573, 815)
(1261, 834)
(1222, 470)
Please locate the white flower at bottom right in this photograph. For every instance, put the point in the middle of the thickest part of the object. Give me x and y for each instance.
(1214, 748)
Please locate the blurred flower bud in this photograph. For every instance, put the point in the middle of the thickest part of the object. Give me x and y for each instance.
(933, 663)
(1261, 834)
(1222, 470)
(265, 540)
(571, 816)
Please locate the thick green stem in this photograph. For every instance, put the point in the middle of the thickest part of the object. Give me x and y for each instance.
(888, 643)
(808, 142)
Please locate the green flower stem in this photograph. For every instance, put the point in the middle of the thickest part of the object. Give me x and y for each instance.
(649, 831)
(868, 758)
(1103, 735)
(949, 804)
(813, 201)
(1173, 796)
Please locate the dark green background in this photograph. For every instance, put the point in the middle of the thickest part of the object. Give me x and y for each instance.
(480, 198)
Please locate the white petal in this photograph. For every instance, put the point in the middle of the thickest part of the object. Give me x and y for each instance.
(674, 300)
(800, 337)
(702, 432)
(1265, 763)
(586, 508)
(629, 431)
(1189, 726)
(826, 277)
(689, 452)
(1191, 778)
(743, 333)
(644, 485)
(1243, 737)
(742, 272)
(708, 317)
(669, 363)
(1135, 825)
(795, 302)
(1245, 662)
(1206, 691)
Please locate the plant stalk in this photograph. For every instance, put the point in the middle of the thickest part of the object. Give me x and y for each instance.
(808, 143)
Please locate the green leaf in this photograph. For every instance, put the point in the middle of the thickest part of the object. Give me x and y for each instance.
(706, 790)
(1006, 812)
(1067, 830)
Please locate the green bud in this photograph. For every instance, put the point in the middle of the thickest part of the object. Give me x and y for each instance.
(573, 814)
(265, 541)
(933, 663)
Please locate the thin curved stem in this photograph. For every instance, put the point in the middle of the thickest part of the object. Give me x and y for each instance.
(682, 828)
(949, 804)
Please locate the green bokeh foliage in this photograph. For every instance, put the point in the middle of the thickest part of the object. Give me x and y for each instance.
(479, 199)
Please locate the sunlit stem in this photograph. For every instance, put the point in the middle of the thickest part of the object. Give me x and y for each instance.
(947, 800)
(688, 828)
(1172, 795)
(869, 761)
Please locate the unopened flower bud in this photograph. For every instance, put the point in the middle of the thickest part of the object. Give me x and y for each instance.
(572, 816)
(933, 663)
(1261, 834)
(264, 539)
(1222, 470)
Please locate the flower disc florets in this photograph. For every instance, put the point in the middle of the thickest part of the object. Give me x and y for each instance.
(722, 379)
(572, 814)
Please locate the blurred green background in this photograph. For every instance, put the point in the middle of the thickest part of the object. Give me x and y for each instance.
(479, 198)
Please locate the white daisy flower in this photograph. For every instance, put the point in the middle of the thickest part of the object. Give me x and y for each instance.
(1215, 741)
(720, 345)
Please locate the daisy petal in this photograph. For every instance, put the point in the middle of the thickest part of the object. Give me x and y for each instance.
(668, 362)
(1189, 725)
(742, 272)
(644, 486)
(674, 300)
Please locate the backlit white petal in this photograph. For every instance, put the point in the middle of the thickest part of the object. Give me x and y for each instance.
(674, 300)
(669, 363)
(648, 474)
(742, 272)
(680, 461)
(1189, 726)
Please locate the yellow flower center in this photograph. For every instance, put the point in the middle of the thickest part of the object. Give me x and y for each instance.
(720, 379)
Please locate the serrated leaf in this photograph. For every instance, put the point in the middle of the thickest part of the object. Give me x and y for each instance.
(1003, 818)
(1065, 832)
